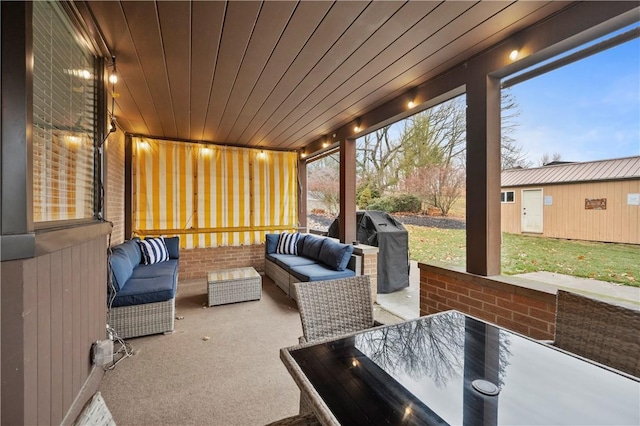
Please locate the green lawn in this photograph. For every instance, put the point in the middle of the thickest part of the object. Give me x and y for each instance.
(619, 263)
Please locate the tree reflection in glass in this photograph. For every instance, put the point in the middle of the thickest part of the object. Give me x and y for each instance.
(430, 347)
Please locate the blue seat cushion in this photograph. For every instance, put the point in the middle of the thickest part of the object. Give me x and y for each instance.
(288, 261)
(318, 272)
(271, 256)
(161, 269)
(140, 291)
(311, 247)
(335, 255)
(275, 256)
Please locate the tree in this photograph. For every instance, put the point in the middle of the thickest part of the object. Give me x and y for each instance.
(546, 158)
(323, 182)
(377, 158)
(441, 186)
(436, 136)
(433, 157)
(431, 143)
(511, 153)
(365, 194)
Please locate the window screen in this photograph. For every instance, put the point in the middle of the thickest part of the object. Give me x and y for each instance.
(64, 101)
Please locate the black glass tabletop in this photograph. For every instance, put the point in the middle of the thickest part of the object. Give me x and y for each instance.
(453, 369)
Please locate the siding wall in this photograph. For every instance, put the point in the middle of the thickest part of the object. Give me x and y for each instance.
(114, 174)
(567, 217)
(53, 308)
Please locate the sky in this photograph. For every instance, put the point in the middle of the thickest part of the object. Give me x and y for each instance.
(588, 110)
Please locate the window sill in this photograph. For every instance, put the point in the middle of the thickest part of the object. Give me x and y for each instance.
(46, 241)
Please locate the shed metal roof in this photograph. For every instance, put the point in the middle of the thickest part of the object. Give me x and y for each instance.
(615, 169)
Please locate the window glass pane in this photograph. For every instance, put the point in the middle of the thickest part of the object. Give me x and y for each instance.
(323, 192)
(64, 100)
(510, 196)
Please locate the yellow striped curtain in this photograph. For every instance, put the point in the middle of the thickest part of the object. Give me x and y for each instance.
(212, 195)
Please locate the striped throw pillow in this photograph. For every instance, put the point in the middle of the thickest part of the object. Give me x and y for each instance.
(288, 243)
(154, 250)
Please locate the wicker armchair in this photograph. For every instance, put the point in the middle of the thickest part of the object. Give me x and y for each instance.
(599, 331)
(334, 307)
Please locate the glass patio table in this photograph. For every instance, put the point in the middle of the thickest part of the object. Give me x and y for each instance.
(453, 369)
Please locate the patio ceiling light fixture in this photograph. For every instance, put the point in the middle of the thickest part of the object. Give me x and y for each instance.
(356, 128)
(113, 77)
(513, 55)
(303, 154)
(412, 98)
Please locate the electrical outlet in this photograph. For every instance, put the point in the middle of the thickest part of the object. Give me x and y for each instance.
(102, 352)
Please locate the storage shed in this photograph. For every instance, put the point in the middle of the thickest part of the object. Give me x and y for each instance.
(593, 201)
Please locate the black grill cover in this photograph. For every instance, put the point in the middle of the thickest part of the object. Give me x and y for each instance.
(380, 229)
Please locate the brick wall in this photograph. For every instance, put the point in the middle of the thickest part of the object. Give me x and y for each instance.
(114, 185)
(516, 304)
(370, 267)
(195, 263)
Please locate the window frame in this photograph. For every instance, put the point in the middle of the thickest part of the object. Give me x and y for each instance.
(98, 52)
(21, 237)
(506, 197)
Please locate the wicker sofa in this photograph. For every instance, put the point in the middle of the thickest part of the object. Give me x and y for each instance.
(142, 297)
(318, 259)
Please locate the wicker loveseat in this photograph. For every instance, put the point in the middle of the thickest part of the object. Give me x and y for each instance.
(142, 297)
(317, 259)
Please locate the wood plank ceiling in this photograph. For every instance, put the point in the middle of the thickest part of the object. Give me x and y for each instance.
(279, 74)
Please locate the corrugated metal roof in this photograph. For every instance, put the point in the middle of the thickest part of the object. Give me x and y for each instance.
(615, 169)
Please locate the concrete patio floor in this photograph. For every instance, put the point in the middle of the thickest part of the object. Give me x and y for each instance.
(616, 293)
(405, 303)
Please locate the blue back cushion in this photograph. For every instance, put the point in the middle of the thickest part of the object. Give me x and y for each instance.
(132, 250)
(173, 247)
(271, 242)
(311, 247)
(301, 239)
(335, 255)
(121, 267)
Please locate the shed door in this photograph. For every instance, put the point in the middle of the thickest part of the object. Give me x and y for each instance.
(532, 210)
